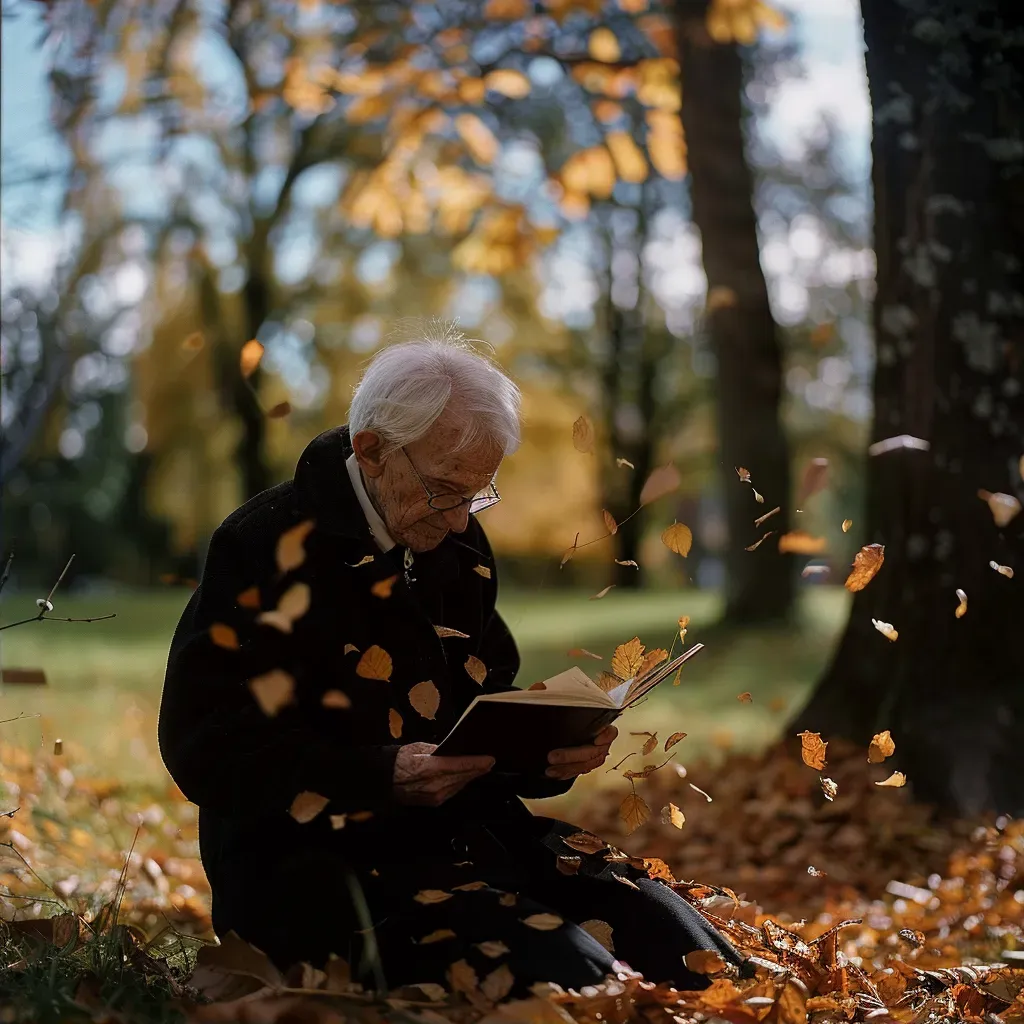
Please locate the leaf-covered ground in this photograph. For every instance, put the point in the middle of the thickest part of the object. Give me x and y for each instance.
(855, 908)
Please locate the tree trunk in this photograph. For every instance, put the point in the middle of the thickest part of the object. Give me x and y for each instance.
(759, 585)
(949, 323)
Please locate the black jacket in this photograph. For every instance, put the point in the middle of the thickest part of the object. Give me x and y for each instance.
(244, 768)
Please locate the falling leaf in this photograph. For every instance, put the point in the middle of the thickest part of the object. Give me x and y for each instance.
(395, 724)
(676, 816)
(470, 887)
(704, 961)
(891, 444)
(881, 747)
(866, 564)
(814, 570)
(365, 560)
(628, 658)
(961, 608)
(1003, 570)
(743, 474)
(812, 750)
(224, 636)
(273, 691)
(757, 543)
(609, 521)
(444, 631)
(425, 698)
(624, 462)
(885, 628)
(582, 652)
(482, 570)
(249, 359)
(847, 523)
(603, 45)
(800, 542)
(759, 498)
(375, 664)
(634, 812)
(492, 948)
(745, 697)
(437, 936)
(602, 593)
(674, 739)
(1004, 507)
(572, 551)
(568, 865)
(349, 648)
(279, 411)
(194, 342)
(721, 297)
(508, 82)
(249, 598)
(382, 588)
(651, 659)
(477, 669)
(650, 743)
(294, 603)
(429, 896)
(697, 789)
(585, 842)
(829, 788)
(895, 780)
(498, 983)
(627, 561)
(601, 931)
(306, 806)
(678, 538)
(543, 922)
(814, 872)
(767, 515)
(507, 899)
(336, 699)
(291, 546)
(814, 479)
(583, 435)
(664, 480)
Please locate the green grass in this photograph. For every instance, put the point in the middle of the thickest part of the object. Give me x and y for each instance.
(105, 677)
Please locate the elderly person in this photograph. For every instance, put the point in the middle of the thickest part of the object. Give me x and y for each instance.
(327, 826)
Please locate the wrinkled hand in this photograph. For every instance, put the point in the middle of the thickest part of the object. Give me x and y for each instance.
(568, 762)
(428, 781)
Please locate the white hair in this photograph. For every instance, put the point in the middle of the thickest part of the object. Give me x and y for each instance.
(408, 385)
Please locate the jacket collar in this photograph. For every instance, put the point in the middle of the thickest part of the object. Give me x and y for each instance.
(324, 489)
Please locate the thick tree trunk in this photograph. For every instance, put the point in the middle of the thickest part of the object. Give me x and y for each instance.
(759, 585)
(949, 322)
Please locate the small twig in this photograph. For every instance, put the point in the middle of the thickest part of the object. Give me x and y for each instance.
(32, 899)
(53, 589)
(42, 881)
(18, 718)
(7, 570)
(56, 618)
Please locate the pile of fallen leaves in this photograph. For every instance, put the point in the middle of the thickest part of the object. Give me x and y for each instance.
(902, 919)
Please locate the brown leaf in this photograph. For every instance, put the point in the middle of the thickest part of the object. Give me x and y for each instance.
(462, 977)
(674, 739)
(498, 983)
(279, 411)
(664, 480)
(543, 922)
(961, 608)
(585, 842)
(583, 435)
(745, 697)
(676, 816)
(624, 462)
(607, 681)
(375, 663)
(743, 474)
(652, 659)
(439, 935)
(720, 297)
(224, 636)
(704, 961)
(814, 479)
(829, 788)
(603, 593)
(568, 865)
(627, 658)
(425, 698)
(492, 948)
(336, 699)
(477, 669)
(249, 358)
(395, 723)
(800, 542)
(507, 899)
(470, 886)
(1004, 507)
(767, 515)
(881, 747)
(1003, 570)
(444, 631)
(338, 821)
(649, 744)
(626, 561)
(582, 652)
(896, 780)
(249, 598)
(572, 551)
(482, 570)
(634, 812)
(812, 750)
(273, 691)
(306, 806)
(294, 603)
(886, 629)
(622, 879)
(757, 543)
(349, 649)
(601, 931)
(866, 564)
(383, 588)
(609, 521)
(678, 538)
(847, 523)
(429, 896)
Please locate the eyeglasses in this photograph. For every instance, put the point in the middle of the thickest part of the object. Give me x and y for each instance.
(449, 502)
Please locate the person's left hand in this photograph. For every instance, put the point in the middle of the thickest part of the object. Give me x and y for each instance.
(568, 762)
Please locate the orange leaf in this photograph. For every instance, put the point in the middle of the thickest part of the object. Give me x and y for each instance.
(429, 896)
(704, 961)
(508, 82)
(224, 636)
(249, 598)
(881, 747)
(634, 812)
(609, 521)
(273, 691)
(674, 739)
(478, 138)
(482, 570)
(444, 631)
(477, 669)
(603, 45)
(291, 550)
(649, 744)
(866, 564)
(628, 658)
(652, 658)
(676, 816)
(306, 806)
(800, 542)
(678, 538)
(812, 750)
(395, 723)
(439, 935)
(543, 922)
(1004, 507)
(249, 359)
(336, 699)
(895, 780)
(497, 984)
(425, 698)
(375, 664)
(745, 697)
(583, 435)
(382, 588)
(743, 474)
(664, 480)
(961, 608)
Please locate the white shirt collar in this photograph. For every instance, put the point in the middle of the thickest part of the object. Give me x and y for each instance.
(377, 525)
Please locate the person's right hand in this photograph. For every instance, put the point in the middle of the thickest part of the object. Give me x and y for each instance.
(428, 781)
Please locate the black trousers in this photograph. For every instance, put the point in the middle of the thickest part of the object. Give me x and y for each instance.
(487, 889)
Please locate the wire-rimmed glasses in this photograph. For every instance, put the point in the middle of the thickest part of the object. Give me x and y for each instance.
(449, 502)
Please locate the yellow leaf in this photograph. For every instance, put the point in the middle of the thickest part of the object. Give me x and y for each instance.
(375, 664)
(664, 480)
(336, 699)
(425, 698)
(704, 961)
(437, 936)
(508, 82)
(273, 690)
(445, 631)
(609, 522)
(1004, 507)
(629, 158)
(676, 816)
(866, 564)
(628, 658)
(961, 608)
(291, 549)
(395, 723)
(603, 45)
(477, 669)
(886, 629)
(462, 977)
(651, 659)
(429, 896)
(249, 359)
(583, 435)
(603, 593)
(472, 91)
(383, 588)
(812, 750)
(847, 523)
(896, 780)
(478, 138)
(601, 931)
(224, 636)
(498, 983)
(543, 922)
(482, 570)
(249, 598)
(800, 542)
(279, 411)
(634, 812)
(881, 747)
(674, 739)
(624, 462)
(1003, 570)
(350, 648)
(678, 538)
(306, 806)
(294, 603)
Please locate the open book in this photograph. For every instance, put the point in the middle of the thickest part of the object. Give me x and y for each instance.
(519, 728)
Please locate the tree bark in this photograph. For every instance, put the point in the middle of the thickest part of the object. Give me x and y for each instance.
(744, 337)
(946, 84)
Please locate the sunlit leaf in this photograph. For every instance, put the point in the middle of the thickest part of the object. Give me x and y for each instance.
(583, 435)
(634, 812)
(336, 699)
(847, 523)
(676, 816)
(664, 480)
(482, 570)
(507, 10)
(886, 629)
(609, 521)
(365, 560)
(375, 663)
(628, 658)
(866, 564)
(674, 739)
(624, 462)
(306, 806)
(961, 608)
(273, 690)
(881, 747)
(425, 698)
(603, 45)
(678, 538)
(476, 669)
(249, 359)
(462, 977)
(224, 636)
(829, 788)
(812, 750)
(653, 657)
(704, 961)
(603, 593)
(800, 542)
(294, 603)
(543, 922)
(1004, 507)
(508, 82)
(395, 724)
(895, 780)
(745, 697)
(446, 631)
(350, 649)
(383, 588)
(1003, 570)
(291, 546)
